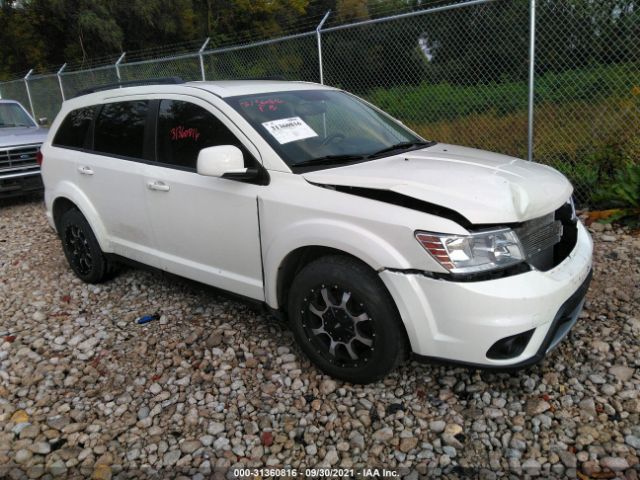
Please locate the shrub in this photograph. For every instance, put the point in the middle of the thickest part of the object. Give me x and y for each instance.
(622, 192)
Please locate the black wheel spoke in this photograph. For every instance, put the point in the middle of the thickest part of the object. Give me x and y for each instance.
(338, 326)
(79, 249)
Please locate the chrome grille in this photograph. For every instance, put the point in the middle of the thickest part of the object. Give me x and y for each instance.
(539, 234)
(17, 158)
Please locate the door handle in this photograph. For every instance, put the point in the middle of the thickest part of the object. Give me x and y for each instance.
(85, 170)
(159, 186)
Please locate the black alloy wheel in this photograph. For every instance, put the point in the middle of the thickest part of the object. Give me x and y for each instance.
(82, 249)
(345, 320)
(338, 326)
(79, 250)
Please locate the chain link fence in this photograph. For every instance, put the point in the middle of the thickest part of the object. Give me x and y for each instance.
(187, 67)
(291, 58)
(15, 90)
(457, 73)
(45, 95)
(74, 82)
(440, 73)
(587, 114)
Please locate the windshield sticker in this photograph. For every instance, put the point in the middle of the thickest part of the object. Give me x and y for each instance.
(286, 130)
(180, 133)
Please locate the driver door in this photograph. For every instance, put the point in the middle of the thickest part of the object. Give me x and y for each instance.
(205, 228)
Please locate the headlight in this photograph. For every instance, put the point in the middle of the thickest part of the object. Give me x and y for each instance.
(478, 252)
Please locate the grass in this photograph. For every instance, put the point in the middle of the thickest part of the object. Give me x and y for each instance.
(587, 122)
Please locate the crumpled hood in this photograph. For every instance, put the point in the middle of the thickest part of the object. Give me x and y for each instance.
(482, 186)
(11, 137)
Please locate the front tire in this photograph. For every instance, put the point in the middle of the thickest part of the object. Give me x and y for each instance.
(344, 319)
(82, 249)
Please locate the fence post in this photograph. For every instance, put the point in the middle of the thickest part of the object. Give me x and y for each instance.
(26, 84)
(59, 75)
(118, 65)
(319, 38)
(532, 76)
(204, 45)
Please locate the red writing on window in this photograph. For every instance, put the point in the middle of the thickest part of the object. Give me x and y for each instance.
(270, 104)
(181, 133)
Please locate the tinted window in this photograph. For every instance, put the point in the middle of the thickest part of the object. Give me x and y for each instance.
(120, 129)
(184, 129)
(74, 128)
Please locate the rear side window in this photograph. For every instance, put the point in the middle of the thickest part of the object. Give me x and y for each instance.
(74, 128)
(184, 129)
(119, 129)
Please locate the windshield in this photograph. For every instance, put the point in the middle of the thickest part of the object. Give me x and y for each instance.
(321, 127)
(12, 115)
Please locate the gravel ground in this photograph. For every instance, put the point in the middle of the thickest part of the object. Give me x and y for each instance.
(85, 391)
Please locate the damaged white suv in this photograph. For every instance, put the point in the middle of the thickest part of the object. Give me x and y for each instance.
(372, 241)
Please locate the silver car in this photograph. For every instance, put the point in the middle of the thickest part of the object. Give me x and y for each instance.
(20, 140)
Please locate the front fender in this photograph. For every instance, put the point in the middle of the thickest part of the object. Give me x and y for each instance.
(346, 237)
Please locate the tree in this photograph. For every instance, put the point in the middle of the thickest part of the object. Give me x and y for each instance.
(16, 22)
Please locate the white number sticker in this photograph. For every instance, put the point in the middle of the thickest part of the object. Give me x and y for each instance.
(287, 130)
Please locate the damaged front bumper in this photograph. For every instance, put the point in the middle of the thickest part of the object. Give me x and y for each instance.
(460, 322)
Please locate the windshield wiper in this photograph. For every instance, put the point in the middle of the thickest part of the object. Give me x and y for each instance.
(329, 160)
(400, 146)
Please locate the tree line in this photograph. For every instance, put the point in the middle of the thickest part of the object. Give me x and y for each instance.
(479, 44)
(47, 33)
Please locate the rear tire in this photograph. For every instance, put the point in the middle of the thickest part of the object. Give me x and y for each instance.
(82, 249)
(344, 319)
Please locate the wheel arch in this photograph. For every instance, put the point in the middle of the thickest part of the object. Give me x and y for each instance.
(70, 197)
(296, 260)
(61, 205)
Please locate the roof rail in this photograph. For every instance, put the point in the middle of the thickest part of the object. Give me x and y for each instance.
(132, 83)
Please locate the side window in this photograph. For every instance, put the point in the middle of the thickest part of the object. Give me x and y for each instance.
(119, 129)
(74, 128)
(184, 129)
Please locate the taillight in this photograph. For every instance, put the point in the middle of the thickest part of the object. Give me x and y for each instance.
(39, 158)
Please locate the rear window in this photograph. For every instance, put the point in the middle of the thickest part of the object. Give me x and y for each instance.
(119, 129)
(74, 129)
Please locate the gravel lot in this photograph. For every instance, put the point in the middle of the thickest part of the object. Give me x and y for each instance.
(84, 390)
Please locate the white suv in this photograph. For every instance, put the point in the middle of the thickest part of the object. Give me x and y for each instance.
(373, 242)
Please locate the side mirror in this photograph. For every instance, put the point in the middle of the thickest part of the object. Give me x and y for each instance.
(43, 121)
(220, 160)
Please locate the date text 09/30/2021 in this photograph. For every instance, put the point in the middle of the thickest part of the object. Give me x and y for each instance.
(262, 473)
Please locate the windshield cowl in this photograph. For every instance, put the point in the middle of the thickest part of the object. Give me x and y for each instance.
(400, 147)
(341, 160)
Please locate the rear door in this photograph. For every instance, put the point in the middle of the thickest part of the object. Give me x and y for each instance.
(205, 228)
(113, 174)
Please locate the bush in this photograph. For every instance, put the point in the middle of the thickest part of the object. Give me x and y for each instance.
(622, 191)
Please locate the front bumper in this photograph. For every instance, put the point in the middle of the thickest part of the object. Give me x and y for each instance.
(460, 321)
(20, 183)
